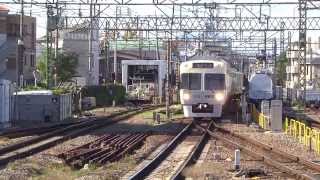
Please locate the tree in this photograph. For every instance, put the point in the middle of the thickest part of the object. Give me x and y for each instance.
(281, 65)
(42, 67)
(66, 65)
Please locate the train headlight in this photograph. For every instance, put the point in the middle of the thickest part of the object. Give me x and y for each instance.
(186, 96)
(219, 96)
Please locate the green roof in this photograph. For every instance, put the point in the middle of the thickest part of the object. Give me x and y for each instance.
(122, 44)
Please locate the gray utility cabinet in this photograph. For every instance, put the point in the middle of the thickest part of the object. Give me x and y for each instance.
(276, 115)
(6, 103)
(42, 107)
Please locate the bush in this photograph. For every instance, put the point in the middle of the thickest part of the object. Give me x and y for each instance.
(59, 91)
(32, 88)
(106, 94)
(55, 91)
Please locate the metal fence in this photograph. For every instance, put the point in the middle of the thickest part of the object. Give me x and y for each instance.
(301, 132)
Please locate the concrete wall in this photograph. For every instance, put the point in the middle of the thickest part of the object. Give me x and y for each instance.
(78, 43)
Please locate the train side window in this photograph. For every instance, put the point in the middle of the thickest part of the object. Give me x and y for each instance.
(191, 81)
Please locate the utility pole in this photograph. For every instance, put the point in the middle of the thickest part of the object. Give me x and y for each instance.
(169, 60)
(20, 50)
(56, 44)
(185, 46)
(157, 44)
(275, 61)
(115, 67)
(115, 51)
(289, 79)
(168, 80)
(302, 49)
(265, 49)
(282, 38)
(51, 26)
(90, 45)
(199, 51)
(140, 41)
(106, 53)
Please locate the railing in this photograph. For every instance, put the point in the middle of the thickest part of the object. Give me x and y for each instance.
(301, 132)
(260, 118)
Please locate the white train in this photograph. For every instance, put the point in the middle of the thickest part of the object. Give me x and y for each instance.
(260, 87)
(206, 85)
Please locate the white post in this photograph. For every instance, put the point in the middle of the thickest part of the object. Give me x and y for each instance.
(237, 159)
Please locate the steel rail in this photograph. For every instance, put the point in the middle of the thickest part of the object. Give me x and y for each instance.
(108, 148)
(148, 168)
(194, 154)
(20, 132)
(262, 157)
(279, 152)
(36, 144)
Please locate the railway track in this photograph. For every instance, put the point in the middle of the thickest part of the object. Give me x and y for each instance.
(289, 164)
(187, 146)
(107, 148)
(39, 143)
(21, 132)
(179, 153)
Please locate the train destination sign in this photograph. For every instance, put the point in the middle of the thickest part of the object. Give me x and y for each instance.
(202, 65)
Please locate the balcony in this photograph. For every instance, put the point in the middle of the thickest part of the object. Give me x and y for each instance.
(292, 69)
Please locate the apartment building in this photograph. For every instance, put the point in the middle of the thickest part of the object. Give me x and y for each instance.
(9, 34)
(312, 65)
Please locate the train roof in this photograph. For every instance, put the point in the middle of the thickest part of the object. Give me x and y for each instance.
(219, 66)
(205, 61)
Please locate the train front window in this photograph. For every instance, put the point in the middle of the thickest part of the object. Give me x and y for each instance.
(214, 81)
(191, 81)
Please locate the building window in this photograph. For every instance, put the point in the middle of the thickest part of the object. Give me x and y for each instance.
(25, 29)
(17, 30)
(25, 60)
(11, 63)
(33, 34)
(32, 60)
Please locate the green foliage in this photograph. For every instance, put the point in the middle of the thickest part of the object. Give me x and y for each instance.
(59, 91)
(106, 94)
(66, 65)
(33, 88)
(42, 67)
(55, 91)
(281, 65)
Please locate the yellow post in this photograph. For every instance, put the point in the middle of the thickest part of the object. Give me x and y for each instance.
(303, 132)
(300, 137)
(294, 128)
(291, 127)
(308, 137)
(286, 124)
(318, 142)
(260, 120)
(314, 139)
